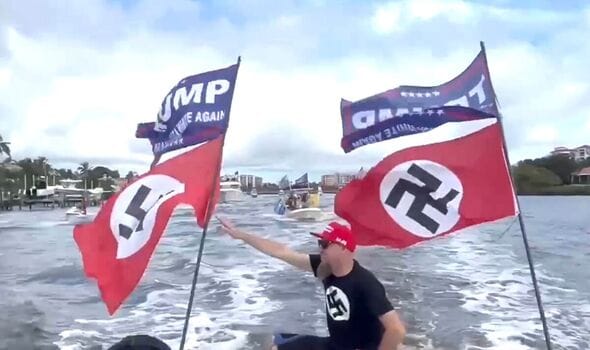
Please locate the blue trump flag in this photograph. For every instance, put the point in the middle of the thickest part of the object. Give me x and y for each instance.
(472, 88)
(409, 124)
(194, 111)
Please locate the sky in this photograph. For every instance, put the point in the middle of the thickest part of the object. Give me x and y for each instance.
(77, 76)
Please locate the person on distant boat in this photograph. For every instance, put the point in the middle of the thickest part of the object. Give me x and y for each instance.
(358, 312)
(291, 202)
(304, 198)
(297, 201)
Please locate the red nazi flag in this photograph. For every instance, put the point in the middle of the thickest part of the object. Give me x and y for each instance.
(118, 245)
(427, 191)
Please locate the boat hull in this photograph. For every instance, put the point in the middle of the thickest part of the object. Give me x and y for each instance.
(230, 196)
(81, 218)
(311, 214)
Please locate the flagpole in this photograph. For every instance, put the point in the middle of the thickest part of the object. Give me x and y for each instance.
(520, 219)
(202, 244)
(200, 253)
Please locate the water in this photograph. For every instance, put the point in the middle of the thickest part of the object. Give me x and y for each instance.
(470, 291)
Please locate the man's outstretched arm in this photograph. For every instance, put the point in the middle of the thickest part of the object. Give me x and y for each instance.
(268, 247)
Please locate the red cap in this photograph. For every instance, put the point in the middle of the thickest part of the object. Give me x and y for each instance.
(338, 233)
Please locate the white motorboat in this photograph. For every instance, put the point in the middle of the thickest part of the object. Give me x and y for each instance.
(76, 215)
(40, 190)
(73, 211)
(304, 214)
(81, 218)
(230, 190)
(79, 215)
(254, 193)
(308, 210)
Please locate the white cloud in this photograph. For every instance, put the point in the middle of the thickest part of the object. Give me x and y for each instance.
(428, 9)
(399, 15)
(542, 134)
(74, 88)
(402, 16)
(388, 18)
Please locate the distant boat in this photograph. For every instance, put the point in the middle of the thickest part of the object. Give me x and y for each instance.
(73, 211)
(230, 190)
(81, 218)
(40, 190)
(307, 211)
(76, 215)
(254, 193)
(305, 214)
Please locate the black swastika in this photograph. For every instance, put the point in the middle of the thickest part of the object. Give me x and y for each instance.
(136, 211)
(422, 197)
(337, 304)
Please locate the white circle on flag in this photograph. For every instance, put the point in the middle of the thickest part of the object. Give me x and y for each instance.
(425, 204)
(134, 212)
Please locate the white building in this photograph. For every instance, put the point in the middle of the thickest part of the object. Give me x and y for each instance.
(578, 153)
(341, 179)
(250, 181)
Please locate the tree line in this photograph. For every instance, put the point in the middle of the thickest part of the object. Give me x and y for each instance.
(14, 174)
(530, 175)
(533, 175)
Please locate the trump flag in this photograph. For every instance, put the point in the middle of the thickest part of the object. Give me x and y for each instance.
(195, 110)
(418, 105)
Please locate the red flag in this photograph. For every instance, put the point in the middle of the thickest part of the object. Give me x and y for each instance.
(424, 192)
(117, 246)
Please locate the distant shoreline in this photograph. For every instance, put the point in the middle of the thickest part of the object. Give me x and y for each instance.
(565, 190)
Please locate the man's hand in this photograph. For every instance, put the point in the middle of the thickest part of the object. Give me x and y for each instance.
(267, 246)
(394, 331)
(229, 228)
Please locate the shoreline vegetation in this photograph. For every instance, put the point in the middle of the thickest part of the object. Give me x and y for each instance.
(553, 175)
(566, 190)
(547, 176)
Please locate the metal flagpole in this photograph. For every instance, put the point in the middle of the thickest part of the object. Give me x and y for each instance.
(200, 255)
(202, 244)
(520, 219)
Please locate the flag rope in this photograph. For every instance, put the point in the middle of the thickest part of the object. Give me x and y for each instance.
(521, 221)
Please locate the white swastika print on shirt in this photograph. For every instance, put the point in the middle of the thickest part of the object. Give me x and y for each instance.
(337, 304)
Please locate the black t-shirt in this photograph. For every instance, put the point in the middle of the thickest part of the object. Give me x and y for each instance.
(353, 305)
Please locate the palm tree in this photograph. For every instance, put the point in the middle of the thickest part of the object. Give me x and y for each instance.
(4, 149)
(84, 171)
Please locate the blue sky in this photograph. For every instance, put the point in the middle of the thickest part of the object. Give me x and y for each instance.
(77, 76)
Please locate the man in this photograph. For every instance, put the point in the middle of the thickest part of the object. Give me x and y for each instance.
(358, 313)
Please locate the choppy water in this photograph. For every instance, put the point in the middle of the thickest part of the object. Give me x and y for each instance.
(470, 291)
